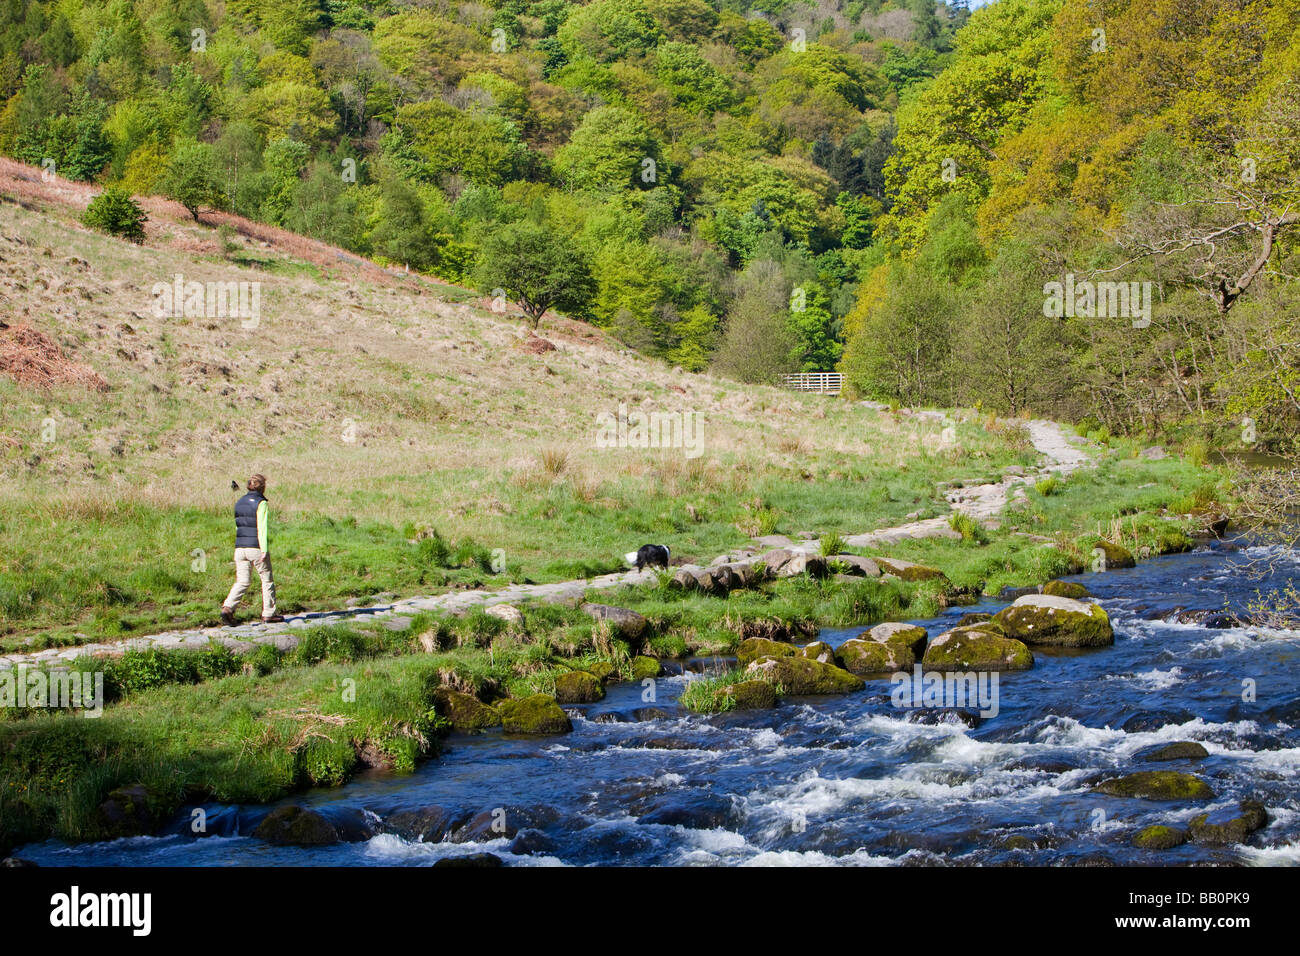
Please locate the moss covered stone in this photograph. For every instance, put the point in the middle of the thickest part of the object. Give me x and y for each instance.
(799, 676)
(1157, 785)
(1178, 750)
(465, 712)
(133, 810)
(1228, 825)
(908, 571)
(875, 657)
(753, 648)
(1114, 556)
(1017, 841)
(1056, 621)
(296, 826)
(909, 635)
(818, 651)
(643, 667)
(1159, 838)
(602, 671)
(538, 714)
(752, 694)
(976, 648)
(1066, 589)
(578, 687)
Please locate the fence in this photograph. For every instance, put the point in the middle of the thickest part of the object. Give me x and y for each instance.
(824, 383)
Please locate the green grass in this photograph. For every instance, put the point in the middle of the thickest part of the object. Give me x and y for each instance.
(707, 695)
(237, 738)
(126, 567)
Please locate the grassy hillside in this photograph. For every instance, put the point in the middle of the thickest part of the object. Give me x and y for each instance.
(381, 411)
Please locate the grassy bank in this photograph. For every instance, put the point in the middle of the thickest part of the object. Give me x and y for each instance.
(194, 726)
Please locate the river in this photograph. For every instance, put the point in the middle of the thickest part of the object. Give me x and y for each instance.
(853, 779)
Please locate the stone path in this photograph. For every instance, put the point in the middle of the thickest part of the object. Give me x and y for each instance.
(982, 502)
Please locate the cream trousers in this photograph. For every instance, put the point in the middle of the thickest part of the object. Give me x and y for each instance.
(246, 559)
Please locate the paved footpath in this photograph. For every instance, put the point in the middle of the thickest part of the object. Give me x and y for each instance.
(982, 502)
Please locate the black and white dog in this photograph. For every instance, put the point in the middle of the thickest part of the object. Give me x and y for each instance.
(648, 556)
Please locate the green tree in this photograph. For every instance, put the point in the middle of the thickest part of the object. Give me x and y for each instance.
(538, 268)
(192, 178)
(115, 212)
(609, 30)
(901, 350)
(758, 342)
(612, 148)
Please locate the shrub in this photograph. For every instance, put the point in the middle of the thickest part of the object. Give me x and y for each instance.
(833, 543)
(114, 211)
(967, 527)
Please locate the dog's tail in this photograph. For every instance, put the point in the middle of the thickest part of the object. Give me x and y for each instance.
(630, 557)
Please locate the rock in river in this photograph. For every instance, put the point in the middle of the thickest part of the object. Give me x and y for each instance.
(798, 676)
(910, 635)
(1228, 825)
(1157, 785)
(1178, 750)
(465, 712)
(1159, 838)
(754, 648)
(296, 826)
(875, 657)
(1056, 621)
(578, 687)
(538, 714)
(976, 648)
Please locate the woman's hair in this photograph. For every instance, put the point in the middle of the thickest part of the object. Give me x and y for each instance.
(257, 483)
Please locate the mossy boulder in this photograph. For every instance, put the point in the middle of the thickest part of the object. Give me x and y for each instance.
(1157, 785)
(1159, 837)
(133, 810)
(1178, 750)
(1113, 556)
(1017, 841)
(464, 711)
(1056, 621)
(799, 676)
(643, 667)
(908, 571)
(875, 657)
(578, 687)
(818, 651)
(296, 826)
(1066, 589)
(603, 671)
(753, 648)
(911, 636)
(978, 617)
(752, 694)
(538, 714)
(976, 648)
(1229, 825)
